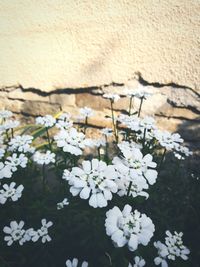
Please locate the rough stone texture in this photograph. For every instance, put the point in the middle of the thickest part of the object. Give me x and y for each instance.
(24, 95)
(175, 107)
(69, 44)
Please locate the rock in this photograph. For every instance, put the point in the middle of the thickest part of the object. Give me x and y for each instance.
(64, 100)
(27, 95)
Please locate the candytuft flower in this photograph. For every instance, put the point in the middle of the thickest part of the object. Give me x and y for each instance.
(61, 205)
(71, 141)
(21, 143)
(139, 164)
(64, 121)
(47, 121)
(94, 181)
(9, 124)
(86, 112)
(10, 192)
(172, 248)
(138, 262)
(4, 114)
(74, 263)
(44, 158)
(5, 171)
(128, 227)
(15, 233)
(14, 161)
(42, 232)
(112, 97)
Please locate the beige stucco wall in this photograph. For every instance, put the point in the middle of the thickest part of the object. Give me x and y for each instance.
(79, 43)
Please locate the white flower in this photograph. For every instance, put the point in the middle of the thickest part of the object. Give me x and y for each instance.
(4, 114)
(47, 121)
(86, 112)
(124, 146)
(2, 152)
(175, 246)
(15, 233)
(142, 94)
(74, 263)
(181, 152)
(1, 138)
(29, 233)
(172, 248)
(71, 141)
(128, 227)
(168, 140)
(21, 143)
(107, 132)
(14, 161)
(67, 175)
(61, 205)
(112, 97)
(142, 165)
(9, 191)
(147, 123)
(138, 262)
(136, 185)
(64, 121)
(162, 254)
(94, 181)
(44, 158)
(5, 171)
(132, 122)
(42, 232)
(9, 124)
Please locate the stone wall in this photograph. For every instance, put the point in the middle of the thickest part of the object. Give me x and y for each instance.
(175, 107)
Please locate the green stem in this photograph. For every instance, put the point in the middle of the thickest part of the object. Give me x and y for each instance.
(161, 161)
(106, 154)
(48, 137)
(140, 108)
(99, 154)
(43, 177)
(129, 188)
(130, 105)
(85, 126)
(113, 121)
(144, 136)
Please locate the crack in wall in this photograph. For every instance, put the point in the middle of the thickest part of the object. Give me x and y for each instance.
(98, 91)
(182, 118)
(160, 85)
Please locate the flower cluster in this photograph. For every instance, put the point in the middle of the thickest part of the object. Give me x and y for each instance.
(16, 233)
(86, 113)
(74, 263)
(94, 181)
(64, 121)
(10, 192)
(135, 171)
(44, 158)
(128, 227)
(46, 121)
(98, 176)
(138, 262)
(21, 143)
(112, 97)
(172, 248)
(72, 141)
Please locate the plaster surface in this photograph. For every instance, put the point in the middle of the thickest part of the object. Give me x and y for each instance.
(70, 44)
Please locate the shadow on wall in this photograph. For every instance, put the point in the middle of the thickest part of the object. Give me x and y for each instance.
(190, 131)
